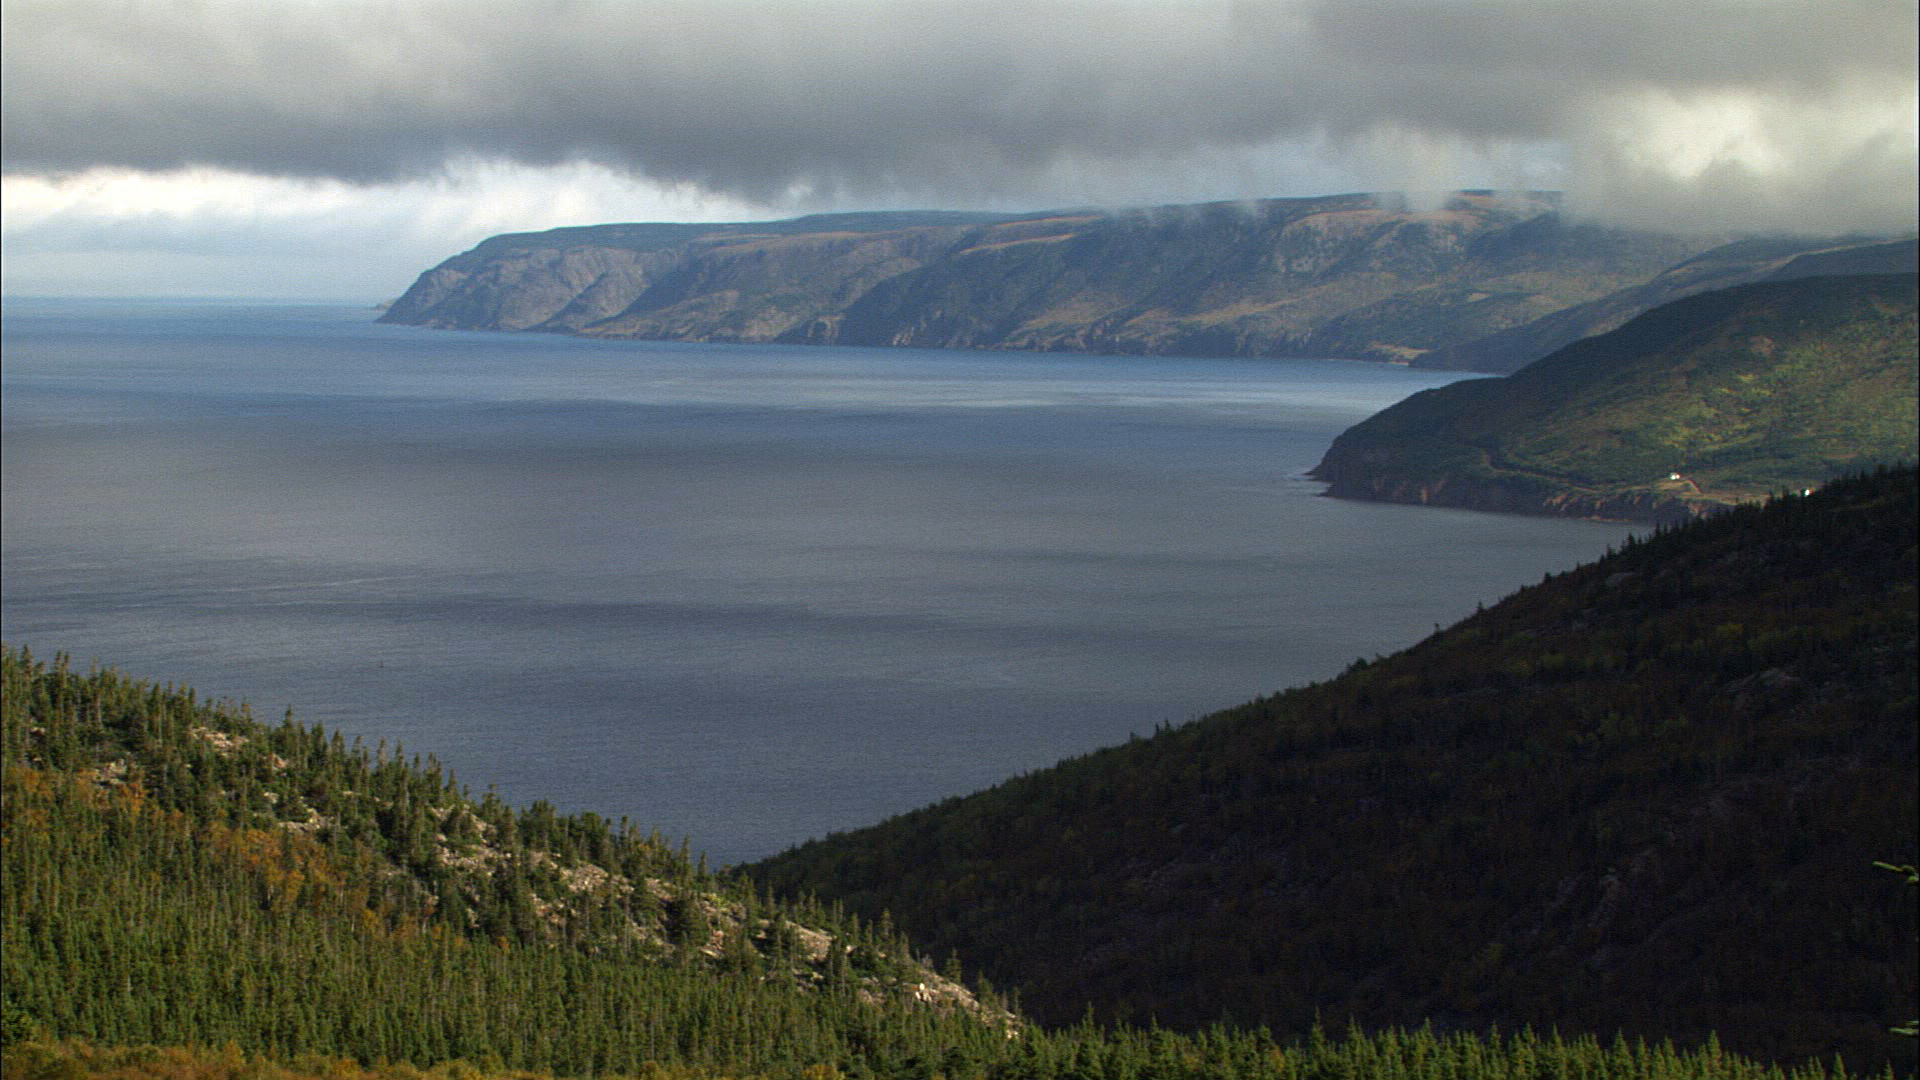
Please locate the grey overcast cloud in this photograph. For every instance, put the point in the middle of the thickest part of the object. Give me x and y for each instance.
(338, 147)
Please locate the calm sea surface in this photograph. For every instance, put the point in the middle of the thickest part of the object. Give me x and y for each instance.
(746, 594)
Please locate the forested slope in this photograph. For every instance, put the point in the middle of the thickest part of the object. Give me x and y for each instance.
(178, 873)
(1645, 795)
(190, 895)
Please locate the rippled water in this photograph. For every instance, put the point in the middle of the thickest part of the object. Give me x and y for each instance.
(747, 594)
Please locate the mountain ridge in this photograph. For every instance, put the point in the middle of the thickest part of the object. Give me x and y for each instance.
(1357, 276)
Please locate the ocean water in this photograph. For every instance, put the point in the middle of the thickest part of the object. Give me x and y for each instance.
(744, 594)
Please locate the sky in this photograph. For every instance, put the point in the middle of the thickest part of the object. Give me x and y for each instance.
(334, 149)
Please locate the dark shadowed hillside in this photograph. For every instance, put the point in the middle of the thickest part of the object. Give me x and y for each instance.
(1646, 795)
(1711, 400)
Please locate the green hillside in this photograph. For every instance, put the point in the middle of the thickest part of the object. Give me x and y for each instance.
(1718, 398)
(1741, 262)
(1645, 795)
(187, 894)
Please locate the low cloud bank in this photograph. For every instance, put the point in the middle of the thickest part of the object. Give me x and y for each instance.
(1712, 113)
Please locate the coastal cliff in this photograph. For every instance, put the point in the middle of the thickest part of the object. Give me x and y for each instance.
(1353, 276)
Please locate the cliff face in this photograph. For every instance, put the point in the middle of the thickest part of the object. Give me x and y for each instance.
(1349, 276)
(764, 288)
(568, 279)
(1719, 398)
(517, 290)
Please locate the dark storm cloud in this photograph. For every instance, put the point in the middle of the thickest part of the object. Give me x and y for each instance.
(852, 100)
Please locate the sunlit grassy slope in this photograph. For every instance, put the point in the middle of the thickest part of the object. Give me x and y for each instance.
(1718, 398)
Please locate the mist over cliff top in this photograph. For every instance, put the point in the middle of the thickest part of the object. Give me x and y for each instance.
(324, 119)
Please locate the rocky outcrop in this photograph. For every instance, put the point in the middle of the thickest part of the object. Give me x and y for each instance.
(1354, 276)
